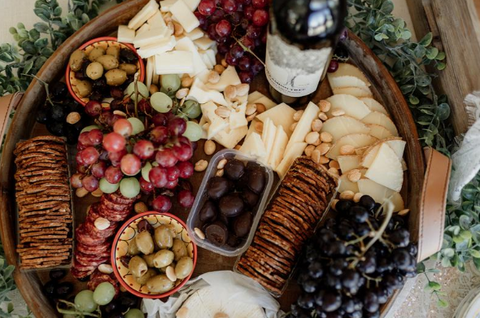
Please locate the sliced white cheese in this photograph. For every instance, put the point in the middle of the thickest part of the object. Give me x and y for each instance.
(380, 193)
(374, 105)
(206, 60)
(186, 44)
(292, 152)
(212, 56)
(175, 62)
(229, 138)
(252, 97)
(354, 91)
(351, 105)
(150, 70)
(379, 132)
(163, 45)
(268, 137)
(344, 125)
(254, 127)
(349, 162)
(197, 33)
(267, 102)
(237, 117)
(228, 77)
(208, 110)
(397, 145)
(192, 4)
(157, 21)
(346, 185)
(347, 81)
(217, 124)
(355, 140)
(204, 43)
(143, 15)
(202, 94)
(281, 115)
(144, 28)
(345, 69)
(279, 145)
(386, 169)
(253, 146)
(304, 125)
(184, 16)
(125, 34)
(382, 120)
(150, 37)
(166, 4)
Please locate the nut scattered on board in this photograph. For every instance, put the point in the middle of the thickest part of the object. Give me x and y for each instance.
(298, 114)
(334, 164)
(153, 89)
(334, 172)
(322, 116)
(140, 207)
(324, 160)
(242, 89)
(182, 92)
(312, 137)
(251, 109)
(182, 313)
(251, 117)
(97, 193)
(223, 111)
(178, 29)
(170, 272)
(213, 77)
(354, 175)
(220, 173)
(259, 126)
(73, 118)
(221, 315)
(201, 165)
(199, 233)
(323, 148)
(334, 203)
(326, 137)
(81, 192)
(105, 268)
(357, 197)
(224, 63)
(347, 150)
(309, 150)
(347, 195)
(260, 108)
(403, 212)
(317, 125)
(119, 113)
(230, 92)
(102, 223)
(221, 164)
(316, 156)
(324, 106)
(209, 147)
(187, 81)
(219, 68)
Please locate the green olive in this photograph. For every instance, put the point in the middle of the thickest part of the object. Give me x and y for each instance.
(133, 248)
(159, 284)
(114, 51)
(76, 60)
(149, 259)
(143, 280)
(94, 70)
(129, 68)
(179, 249)
(184, 267)
(164, 236)
(145, 242)
(116, 77)
(163, 258)
(109, 62)
(95, 53)
(137, 266)
(84, 88)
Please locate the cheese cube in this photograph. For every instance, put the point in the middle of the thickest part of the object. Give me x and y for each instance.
(201, 94)
(204, 43)
(304, 125)
(175, 62)
(143, 15)
(281, 115)
(184, 16)
(150, 37)
(212, 55)
(186, 44)
(206, 60)
(197, 33)
(229, 138)
(157, 21)
(279, 145)
(228, 77)
(252, 97)
(143, 29)
(162, 46)
(166, 4)
(253, 146)
(192, 4)
(293, 152)
(125, 34)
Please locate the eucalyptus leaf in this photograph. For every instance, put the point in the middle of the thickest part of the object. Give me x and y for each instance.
(442, 303)
(427, 39)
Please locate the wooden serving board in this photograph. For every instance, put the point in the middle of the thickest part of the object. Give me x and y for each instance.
(24, 126)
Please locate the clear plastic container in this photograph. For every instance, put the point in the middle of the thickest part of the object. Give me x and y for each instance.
(193, 218)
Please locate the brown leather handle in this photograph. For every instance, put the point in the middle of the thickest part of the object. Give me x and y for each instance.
(433, 203)
(7, 104)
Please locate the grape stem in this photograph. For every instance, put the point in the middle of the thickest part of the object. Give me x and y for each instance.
(75, 311)
(135, 86)
(45, 85)
(246, 49)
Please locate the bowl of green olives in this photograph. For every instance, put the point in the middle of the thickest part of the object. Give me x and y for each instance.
(153, 255)
(101, 69)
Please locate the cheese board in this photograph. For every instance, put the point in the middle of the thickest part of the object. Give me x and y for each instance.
(379, 126)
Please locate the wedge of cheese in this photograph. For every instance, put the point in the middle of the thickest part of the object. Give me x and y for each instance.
(349, 162)
(382, 120)
(186, 44)
(125, 34)
(204, 43)
(291, 153)
(174, 62)
(268, 137)
(253, 146)
(143, 15)
(163, 45)
(184, 15)
(229, 138)
(202, 94)
(355, 140)
(267, 102)
(144, 28)
(344, 125)
(279, 145)
(196, 34)
(252, 97)
(374, 105)
(304, 125)
(166, 4)
(228, 77)
(237, 117)
(157, 21)
(281, 115)
(379, 132)
(345, 69)
(354, 91)
(151, 37)
(398, 146)
(380, 193)
(351, 105)
(386, 169)
(347, 81)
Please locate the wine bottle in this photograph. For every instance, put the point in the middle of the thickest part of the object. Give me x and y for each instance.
(300, 43)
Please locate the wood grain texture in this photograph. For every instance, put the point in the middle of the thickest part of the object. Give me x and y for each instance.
(29, 283)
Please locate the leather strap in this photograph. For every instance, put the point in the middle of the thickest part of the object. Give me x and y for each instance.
(433, 203)
(7, 104)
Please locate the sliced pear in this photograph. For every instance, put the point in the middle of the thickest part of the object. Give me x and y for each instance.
(379, 132)
(351, 105)
(354, 91)
(349, 162)
(386, 169)
(345, 69)
(374, 105)
(355, 140)
(378, 118)
(379, 193)
(347, 81)
(344, 125)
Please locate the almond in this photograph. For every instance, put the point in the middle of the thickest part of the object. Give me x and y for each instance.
(298, 114)
(338, 112)
(309, 150)
(242, 89)
(404, 212)
(73, 118)
(334, 164)
(322, 116)
(251, 117)
(230, 92)
(105, 268)
(324, 160)
(140, 207)
(178, 29)
(221, 164)
(81, 192)
(220, 173)
(324, 105)
(102, 223)
(182, 313)
(259, 126)
(347, 150)
(187, 81)
(261, 108)
(213, 77)
(199, 233)
(316, 156)
(97, 193)
(153, 89)
(347, 195)
(354, 175)
(357, 197)
(223, 111)
(317, 125)
(219, 68)
(224, 63)
(201, 165)
(334, 172)
(312, 137)
(251, 109)
(209, 147)
(326, 137)
(323, 148)
(182, 92)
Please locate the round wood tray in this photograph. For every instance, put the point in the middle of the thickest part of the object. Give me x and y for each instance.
(30, 283)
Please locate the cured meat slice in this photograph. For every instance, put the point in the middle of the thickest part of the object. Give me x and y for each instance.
(94, 250)
(114, 206)
(86, 238)
(86, 259)
(77, 273)
(92, 229)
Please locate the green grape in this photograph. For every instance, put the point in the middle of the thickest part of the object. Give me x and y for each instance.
(142, 93)
(161, 102)
(84, 301)
(108, 187)
(88, 128)
(104, 293)
(194, 131)
(170, 83)
(146, 170)
(191, 108)
(137, 125)
(129, 187)
(134, 313)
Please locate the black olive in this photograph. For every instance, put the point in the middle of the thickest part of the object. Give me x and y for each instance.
(57, 112)
(50, 288)
(43, 116)
(57, 274)
(63, 289)
(97, 96)
(56, 128)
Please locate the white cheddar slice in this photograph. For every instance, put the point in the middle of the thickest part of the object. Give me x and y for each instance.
(382, 120)
(346, 185)
(374, 105)
(212, 56)
(344, 125)
(150, 70)
(267, 102)
(293, 152)
(347, 81)
(255, 127)
(380, 193)
(217, 125)
(349, 162)
(150, 37)
(175, 62)
(186, 44)
(304, 125)
(144, 28)
(386, 169)
(237, 117)
(162, 46)
(354, 91)
(184, 16)
(345, 69)
(206, 60)
(397, 145)
(157, 21)
(208, 110)
(192, 4)
(355, 140)
(379, 132)
(281, 115)
(279, 145)
(202, 94)
(229, 138)
(228, 77)
(204, 43)
(196, 34)
(351, 105)
(143, 15)
(268, 137)
(252, 97)
(253, 146)
(125, 35)
(166, 4)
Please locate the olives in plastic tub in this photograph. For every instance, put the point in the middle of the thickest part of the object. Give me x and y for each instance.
(225, 219)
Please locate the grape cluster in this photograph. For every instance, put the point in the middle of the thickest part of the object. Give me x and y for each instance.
(240, 28)
(342, 275)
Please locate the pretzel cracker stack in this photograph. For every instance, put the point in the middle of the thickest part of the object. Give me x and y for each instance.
(300, 203)
(43, 200)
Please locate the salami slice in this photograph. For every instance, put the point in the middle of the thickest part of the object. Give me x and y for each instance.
(85, 238)
(112, 215)
(119, 198)
(79, 274)
(114, 206)
(93, 260)
(92, 229)
(94, 250)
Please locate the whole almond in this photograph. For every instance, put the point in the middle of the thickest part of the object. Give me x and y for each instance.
(322, 116)
(312, 137)
(357, 197)
(334, 203)
(201, 165)
(324, 160)
(81, 192)
(213, 77)
(298, 114)
(223, 111)
(261, 108)
(178, 29)
(199, 233)
(251, 117)
(354, 175)
(317, 125)
(251, 109)
(338, 112)
(324, 105)
(153, 89)
(170, 272)
(317, 142)
(105, 268)
(230, 92)
(347, 150)
(220, 173)
(209, 147)
(309, 150)
(334, 164)
(224, 63)
(73, 118)
(219, 68)
(316, 156)
(403, 212)
(221, 164)
(326, 137)
(97, 193)
(323, 148)
(119, 113)
(237, 147)
(187, 81)
(242, 89)
(334, 172)
(347, 195)
(140, 207)
(258, 126)
(221, 315)
(182, 92)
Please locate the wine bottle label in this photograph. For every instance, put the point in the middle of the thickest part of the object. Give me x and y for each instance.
(294, 72)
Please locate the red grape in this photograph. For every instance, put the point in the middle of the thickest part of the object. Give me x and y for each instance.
(82, 169)
(171, 184)
(186, 198)
(186, 169)
(244, 63)
(76, 180)
(93, 108)
(95, 136)
(260, 17)
(130, 164)
(147, 187)
(114, 142)
(206, 7)
(160, 119)
(116, 92)
(248, 12)
(183, 152)
(229, 6)
(259, 4)
(253, 32)
(223, 28)
(123, 127)
(113, 175)
(236, 17)
(162, 203)
(223, 48)
(173, 173)
(79, 159)
(90, 155)
(333, 66)
(248, 42)
(158, 176)
(166, 157)
(116, 156)
(230, 59)
(177, 126)
(98, 169)
(257, 66)
(90, 183)
(202, 19)
(84, 139)
(159, 135)
(143, 149)
(237, 51)
(103, 155)
(212, 32)
(183, 140)
(246, 77)
(144, 106)
(217, 16)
